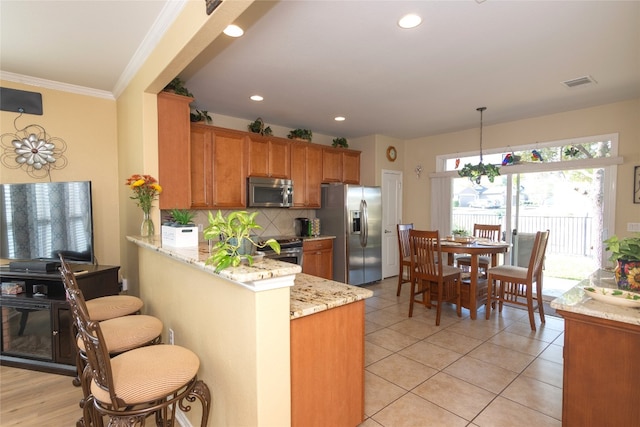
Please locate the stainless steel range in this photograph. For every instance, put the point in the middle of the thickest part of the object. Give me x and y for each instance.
(290, 249)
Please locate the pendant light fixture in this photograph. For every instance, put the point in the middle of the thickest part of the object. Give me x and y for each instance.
(475, 173)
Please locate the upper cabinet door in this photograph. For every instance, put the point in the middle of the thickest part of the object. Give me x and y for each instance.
(279, 158)
(201, 166)
(351, 167)
(306, 173)
(173, 150)
(229, 168)
(269, 157)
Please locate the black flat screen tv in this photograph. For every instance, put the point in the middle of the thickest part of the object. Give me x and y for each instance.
(40, 220)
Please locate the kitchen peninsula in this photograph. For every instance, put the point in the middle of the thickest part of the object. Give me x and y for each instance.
(601, 348)
(261, 333)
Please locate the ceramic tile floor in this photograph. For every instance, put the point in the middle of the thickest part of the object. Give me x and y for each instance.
(465, 372)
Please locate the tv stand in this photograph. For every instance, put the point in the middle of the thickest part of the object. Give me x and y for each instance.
(36, 324)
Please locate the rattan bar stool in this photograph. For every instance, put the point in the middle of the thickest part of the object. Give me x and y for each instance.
(148, 381)
(121, 333)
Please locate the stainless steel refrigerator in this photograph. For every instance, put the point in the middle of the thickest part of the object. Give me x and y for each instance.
(353, 213)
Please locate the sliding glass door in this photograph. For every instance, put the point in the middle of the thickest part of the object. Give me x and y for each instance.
(564, 194)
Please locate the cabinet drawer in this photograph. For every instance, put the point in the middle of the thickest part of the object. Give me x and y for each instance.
(316, 245)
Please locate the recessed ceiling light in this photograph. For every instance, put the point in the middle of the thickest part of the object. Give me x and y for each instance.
(339, 119)
(410, 21)
(256, 98)
(233, 31)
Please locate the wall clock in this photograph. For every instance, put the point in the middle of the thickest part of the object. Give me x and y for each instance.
(392, 153)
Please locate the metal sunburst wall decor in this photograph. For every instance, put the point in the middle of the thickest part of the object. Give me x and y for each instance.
(33, 149)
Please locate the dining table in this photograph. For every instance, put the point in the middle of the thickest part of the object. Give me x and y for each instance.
(470, 297)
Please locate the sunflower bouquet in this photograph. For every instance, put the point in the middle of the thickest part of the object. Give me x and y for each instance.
(145, 190)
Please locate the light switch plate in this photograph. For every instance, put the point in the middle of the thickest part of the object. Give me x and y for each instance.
(633, 226)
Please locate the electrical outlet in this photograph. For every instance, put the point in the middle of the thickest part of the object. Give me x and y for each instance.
(171, 336)
(633, 226)
(200, 228)
(125, 285)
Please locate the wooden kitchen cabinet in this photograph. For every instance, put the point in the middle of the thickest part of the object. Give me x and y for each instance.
(317, 258)
(306, 173)
(173, 150)
(327, 368)
(351, 167)
(201, 166)
(269, 157)
(218, 168)
(601, 377)
(340, 165)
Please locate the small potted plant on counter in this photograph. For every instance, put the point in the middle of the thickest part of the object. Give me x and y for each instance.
(626, 254)
(236, 242)
(180, 231)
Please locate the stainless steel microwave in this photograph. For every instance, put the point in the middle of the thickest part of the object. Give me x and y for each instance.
(269, 192)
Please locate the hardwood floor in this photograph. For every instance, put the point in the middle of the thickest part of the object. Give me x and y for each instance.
(31, 398)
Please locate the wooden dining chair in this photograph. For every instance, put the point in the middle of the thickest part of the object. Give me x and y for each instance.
(147, 381)
(481, 231)
(404, 274)
(430, 276)
(121, 333)
(514, 285)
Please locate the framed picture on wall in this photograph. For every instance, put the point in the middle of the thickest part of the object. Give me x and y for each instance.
(636, 184)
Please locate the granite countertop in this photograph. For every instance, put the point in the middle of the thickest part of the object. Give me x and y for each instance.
(576, 300)
(320, 237)
(311, 294)
(197, 256)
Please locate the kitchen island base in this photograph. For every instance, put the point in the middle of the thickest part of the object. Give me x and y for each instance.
(327, 367)
(601, 375)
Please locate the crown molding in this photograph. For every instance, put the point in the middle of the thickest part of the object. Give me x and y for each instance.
(167, 16)
(50, 84)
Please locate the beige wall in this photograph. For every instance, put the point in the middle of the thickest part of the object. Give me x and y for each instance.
(621, 117)
(88, 126)
(190, 34)
(240, 336)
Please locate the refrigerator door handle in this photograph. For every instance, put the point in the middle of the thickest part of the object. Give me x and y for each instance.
(364, 236)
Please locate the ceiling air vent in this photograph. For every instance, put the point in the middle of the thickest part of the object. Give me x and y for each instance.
(580, 81)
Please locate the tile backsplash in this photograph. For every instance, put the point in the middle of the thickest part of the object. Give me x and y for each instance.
(274, 221)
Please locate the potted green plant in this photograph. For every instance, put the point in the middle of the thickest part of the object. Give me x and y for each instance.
(200, 116)
(300, 134)
(181, 217)
(180, 231)
(177, 86)
(459, 232)
(257, 126)
(475, 172)
(340, 142)
(236, 241)
(626, 254)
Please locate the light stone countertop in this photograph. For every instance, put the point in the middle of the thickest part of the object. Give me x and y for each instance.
(320, 237)
(576, 300)
(312, 294)
(197, 256)
(309, 294)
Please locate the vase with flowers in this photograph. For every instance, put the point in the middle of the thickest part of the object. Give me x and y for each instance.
(145, 190)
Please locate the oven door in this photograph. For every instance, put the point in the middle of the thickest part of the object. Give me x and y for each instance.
(291, 255)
